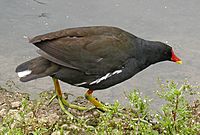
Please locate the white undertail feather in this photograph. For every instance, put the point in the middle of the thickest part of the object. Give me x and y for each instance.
(24, 73)
(106, 76)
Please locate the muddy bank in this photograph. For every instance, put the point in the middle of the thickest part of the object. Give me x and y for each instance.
(20, 115)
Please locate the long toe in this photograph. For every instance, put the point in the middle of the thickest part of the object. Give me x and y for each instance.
(73, 106)
(52, 98)
(63, 108)
(103, 108)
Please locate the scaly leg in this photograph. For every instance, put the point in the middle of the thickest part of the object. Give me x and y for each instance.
(96, 103)
(62, 101)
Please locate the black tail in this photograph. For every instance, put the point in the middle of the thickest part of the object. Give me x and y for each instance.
(36, 68)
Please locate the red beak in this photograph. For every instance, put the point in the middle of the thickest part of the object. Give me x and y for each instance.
(174, 58)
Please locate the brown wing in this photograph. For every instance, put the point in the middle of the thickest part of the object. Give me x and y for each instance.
(93, 50)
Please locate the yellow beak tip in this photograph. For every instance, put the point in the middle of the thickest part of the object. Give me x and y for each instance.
(179, 62)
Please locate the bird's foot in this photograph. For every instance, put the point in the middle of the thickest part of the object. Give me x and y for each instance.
(64, 103)
(95, 102)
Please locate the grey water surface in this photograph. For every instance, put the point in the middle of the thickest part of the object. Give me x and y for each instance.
(176, 22)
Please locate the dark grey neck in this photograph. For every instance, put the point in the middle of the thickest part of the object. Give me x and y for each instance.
(151, 51)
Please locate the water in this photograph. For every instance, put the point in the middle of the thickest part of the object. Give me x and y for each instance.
(174, 22)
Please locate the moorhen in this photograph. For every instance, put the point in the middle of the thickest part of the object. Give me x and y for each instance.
(95, 57)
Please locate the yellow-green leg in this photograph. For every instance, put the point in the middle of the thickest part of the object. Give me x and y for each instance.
(96, 103)
(62, 101)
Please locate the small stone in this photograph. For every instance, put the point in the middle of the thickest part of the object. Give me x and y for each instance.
(65, 126)
(29, 115)
(15, 114)
(43, 120)
(117, 120)
(73, 127)
(13, 111)
(96, 114)
(15, 105)
(52, 118)
(3, 112)
(56, 133)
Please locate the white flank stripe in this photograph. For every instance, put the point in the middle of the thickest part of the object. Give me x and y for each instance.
(105, 77)
(24, 73)
(78, 84)
(101, 79)
(117, 72)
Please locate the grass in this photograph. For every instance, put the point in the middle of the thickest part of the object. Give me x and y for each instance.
(178, 116)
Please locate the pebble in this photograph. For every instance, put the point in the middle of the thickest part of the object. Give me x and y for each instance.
(56, 133)
(53, 118)
(15, 105)
(3, 112)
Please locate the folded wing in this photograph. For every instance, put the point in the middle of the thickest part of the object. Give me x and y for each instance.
(93, 50)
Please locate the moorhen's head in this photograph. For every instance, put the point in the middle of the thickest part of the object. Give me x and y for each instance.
(158, 51)
(167, 53)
